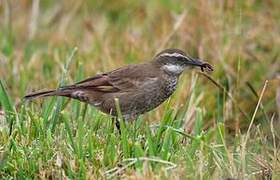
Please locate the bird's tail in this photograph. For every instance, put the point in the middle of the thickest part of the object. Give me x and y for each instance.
(41, 94)
(62, 91)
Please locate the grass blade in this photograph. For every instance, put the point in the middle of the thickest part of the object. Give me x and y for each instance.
(6, 102)
(59, 101)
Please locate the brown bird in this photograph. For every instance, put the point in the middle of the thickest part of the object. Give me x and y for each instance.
(139, 88)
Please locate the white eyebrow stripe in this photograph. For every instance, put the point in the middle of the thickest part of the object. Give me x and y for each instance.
(174, 55)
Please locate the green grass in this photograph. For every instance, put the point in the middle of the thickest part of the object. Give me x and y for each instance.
(216, 126)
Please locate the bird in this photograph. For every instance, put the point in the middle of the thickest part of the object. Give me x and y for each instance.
(138, 88)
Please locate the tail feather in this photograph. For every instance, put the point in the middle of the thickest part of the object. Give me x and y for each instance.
(62, 91)
(40, 94)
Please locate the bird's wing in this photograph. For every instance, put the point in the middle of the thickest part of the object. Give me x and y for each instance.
(99, 82)
(123, 79)
(128, 77)
(132, 77)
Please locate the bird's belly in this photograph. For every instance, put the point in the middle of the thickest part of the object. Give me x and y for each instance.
(140, 101)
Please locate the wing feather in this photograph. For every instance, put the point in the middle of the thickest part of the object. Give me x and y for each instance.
(123, 79)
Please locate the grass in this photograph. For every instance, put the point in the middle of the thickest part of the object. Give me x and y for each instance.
(215, 126)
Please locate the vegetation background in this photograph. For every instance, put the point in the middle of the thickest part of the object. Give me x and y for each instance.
(223, 125)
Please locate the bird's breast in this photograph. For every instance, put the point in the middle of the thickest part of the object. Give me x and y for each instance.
(169, 86)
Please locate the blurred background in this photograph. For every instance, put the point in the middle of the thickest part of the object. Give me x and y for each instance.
(241, 39)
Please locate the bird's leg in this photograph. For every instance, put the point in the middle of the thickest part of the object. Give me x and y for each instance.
(117, 123)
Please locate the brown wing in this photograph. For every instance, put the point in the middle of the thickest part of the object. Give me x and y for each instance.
(123, 79)
(130, 77)
(99, 82)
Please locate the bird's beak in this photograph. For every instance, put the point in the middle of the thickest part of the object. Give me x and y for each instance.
(200, 63)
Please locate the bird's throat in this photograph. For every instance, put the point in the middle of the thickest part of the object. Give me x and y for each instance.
(173, 69)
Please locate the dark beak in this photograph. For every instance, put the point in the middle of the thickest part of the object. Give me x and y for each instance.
(200, 63)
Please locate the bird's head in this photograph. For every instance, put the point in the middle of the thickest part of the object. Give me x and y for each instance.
(174, 61)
